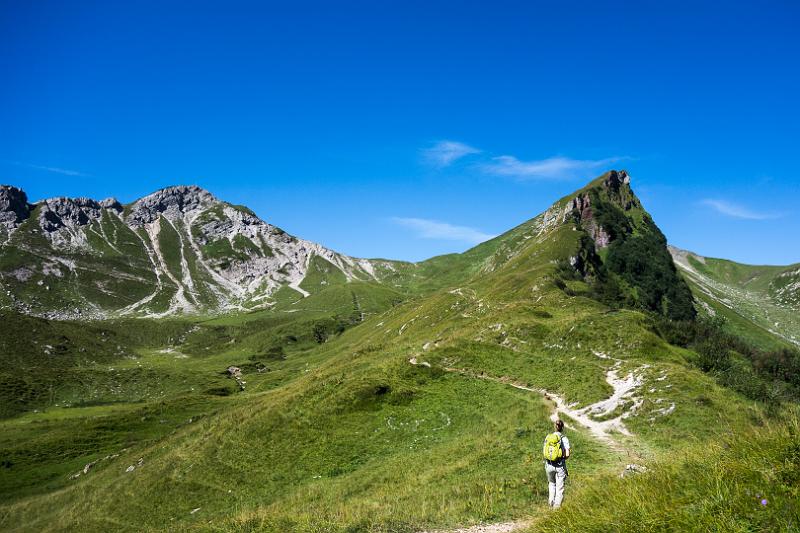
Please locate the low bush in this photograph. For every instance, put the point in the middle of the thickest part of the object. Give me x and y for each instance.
(765, 376)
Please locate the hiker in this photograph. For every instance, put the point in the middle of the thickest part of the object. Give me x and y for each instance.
(556, 451)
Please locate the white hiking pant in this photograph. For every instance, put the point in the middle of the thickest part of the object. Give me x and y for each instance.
(556, 475)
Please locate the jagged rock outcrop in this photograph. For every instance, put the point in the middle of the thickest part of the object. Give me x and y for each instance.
(172, 202)
(616, 178)
(14, 207)
(231, 222)
(112, 204)
(582, 209)
(57, 213)
(616, 186)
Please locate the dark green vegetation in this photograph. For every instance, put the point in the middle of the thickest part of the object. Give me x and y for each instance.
(332, 428)
(643, 263)
(769, 376)
(635, 269)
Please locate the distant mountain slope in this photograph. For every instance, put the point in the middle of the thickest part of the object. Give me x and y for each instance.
(769, 296)
(179, 250)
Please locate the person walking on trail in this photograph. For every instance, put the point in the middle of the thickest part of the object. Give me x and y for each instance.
(556, 451)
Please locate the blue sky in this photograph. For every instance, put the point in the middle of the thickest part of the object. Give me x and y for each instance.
(410, 129)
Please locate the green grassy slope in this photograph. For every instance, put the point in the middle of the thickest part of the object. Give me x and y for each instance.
(449, 270)
(333, 444)
(335, 429)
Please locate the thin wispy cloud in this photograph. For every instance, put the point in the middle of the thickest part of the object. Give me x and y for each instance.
(445, 153)
(553, 168)
(57, 170)
(434, 229)
(737, 211)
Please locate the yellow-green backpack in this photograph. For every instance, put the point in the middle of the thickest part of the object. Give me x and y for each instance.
(552, 450)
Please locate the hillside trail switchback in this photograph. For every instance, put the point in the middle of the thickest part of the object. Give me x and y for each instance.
(604, 430)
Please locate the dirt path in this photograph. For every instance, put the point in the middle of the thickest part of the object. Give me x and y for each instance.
(611, 411)
(505, 527)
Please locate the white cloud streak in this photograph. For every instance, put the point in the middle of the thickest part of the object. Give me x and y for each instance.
(433, 229)
(56, 170)
(553, 168)
(445, 153)
(737, 211)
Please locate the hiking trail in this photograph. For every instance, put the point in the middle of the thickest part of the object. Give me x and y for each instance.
(505, 527)
(605, 430)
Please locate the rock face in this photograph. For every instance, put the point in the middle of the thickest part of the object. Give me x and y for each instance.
(14, 207)
(57, 213)
(617, 189)
(171, 201)
(616, 186)
(582, 207)
(616, 178)
(111, 204)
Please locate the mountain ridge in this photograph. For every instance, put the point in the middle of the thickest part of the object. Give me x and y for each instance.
(207, 256)
(212, 255)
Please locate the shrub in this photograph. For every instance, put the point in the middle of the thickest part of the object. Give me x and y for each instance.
(783, 364)
(643, 261)
(759, 375)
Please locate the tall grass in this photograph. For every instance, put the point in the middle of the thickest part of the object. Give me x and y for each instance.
(743, 483)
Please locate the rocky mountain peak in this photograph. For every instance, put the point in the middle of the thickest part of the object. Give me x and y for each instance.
(111, 204)
(617, 178)
(60, 212)
(171, 201)
(613, 193)
(14, 206)
(613, 188)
